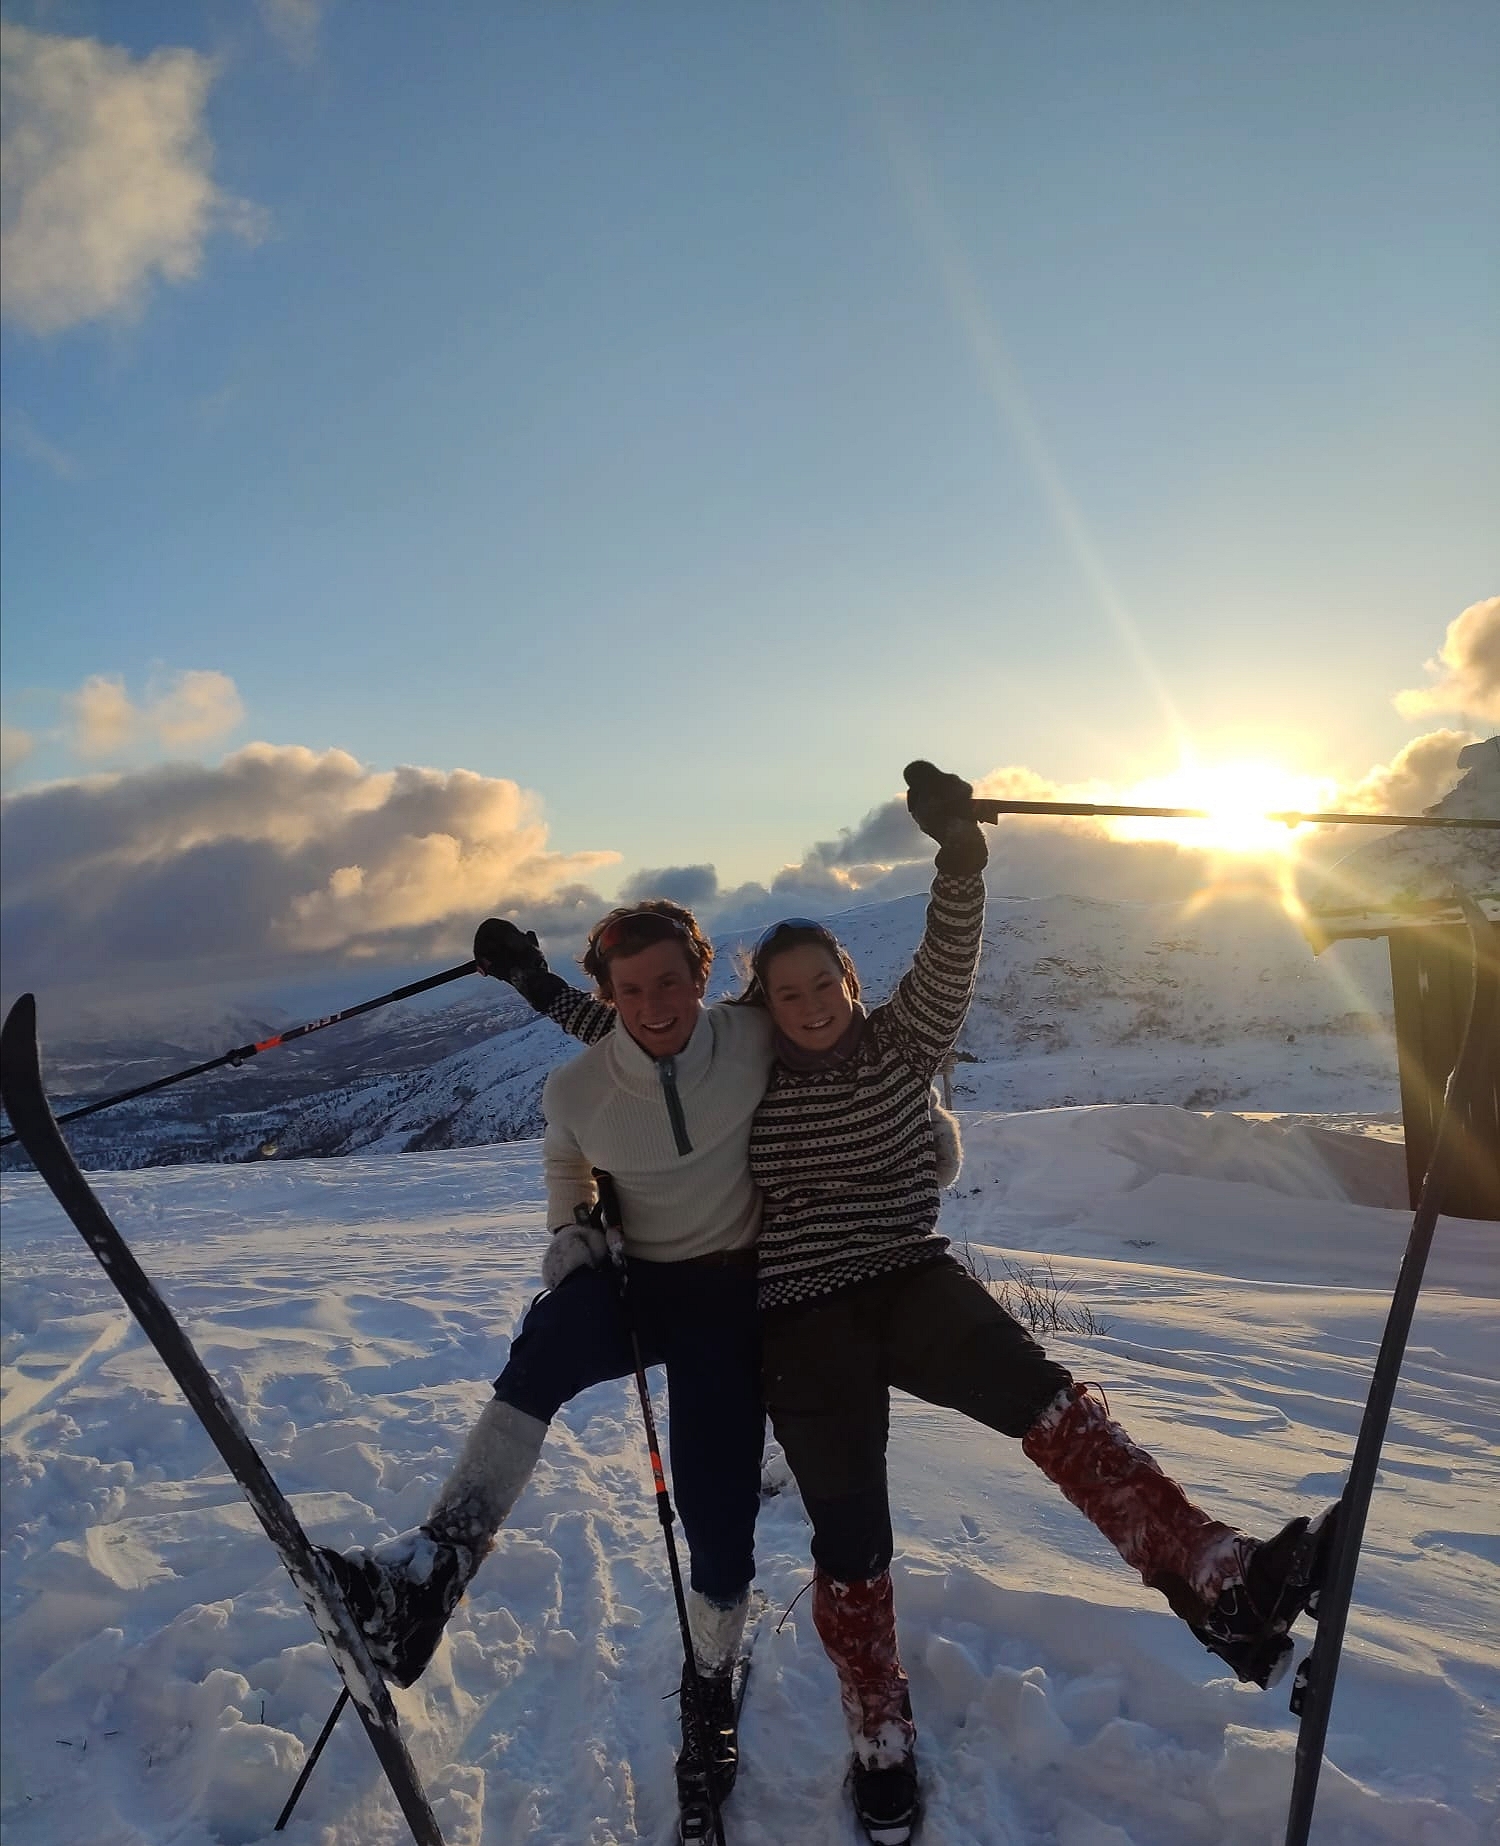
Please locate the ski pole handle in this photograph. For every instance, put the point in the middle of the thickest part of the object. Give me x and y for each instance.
(606, 1215)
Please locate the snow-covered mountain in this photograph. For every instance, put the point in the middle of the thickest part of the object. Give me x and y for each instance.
(1078, 1001)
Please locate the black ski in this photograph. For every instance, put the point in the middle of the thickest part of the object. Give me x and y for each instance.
(1312, 1690)
(31, 1117)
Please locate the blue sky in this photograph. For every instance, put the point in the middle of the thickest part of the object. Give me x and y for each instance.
(690, 413)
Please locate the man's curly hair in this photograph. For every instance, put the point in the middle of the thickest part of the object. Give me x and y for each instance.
(635, 929)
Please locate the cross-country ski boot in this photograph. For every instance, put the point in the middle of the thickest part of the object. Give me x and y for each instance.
(887, 1801)
(402, 1594)
(1249, 1625)
(721, 1727)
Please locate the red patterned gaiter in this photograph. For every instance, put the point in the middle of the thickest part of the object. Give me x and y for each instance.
(1143, 1513)
(856, 1623)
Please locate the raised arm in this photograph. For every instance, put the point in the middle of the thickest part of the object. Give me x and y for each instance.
(927, 1010)
(512, 955)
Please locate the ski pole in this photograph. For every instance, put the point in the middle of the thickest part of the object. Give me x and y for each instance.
(606, 1215)
(312, 1761)
(986, 809)
(240, 1053)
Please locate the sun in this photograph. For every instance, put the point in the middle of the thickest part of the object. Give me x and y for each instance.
(1238, 796)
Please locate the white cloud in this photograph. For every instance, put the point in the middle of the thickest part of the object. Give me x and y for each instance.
(107, 176)
(1419, 774)
(278, 855)
(195, 708)
(1467, 668)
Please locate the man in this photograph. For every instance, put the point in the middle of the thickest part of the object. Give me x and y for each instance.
(664, 1106)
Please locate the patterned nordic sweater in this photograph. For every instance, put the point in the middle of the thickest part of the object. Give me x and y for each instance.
(844, 1157)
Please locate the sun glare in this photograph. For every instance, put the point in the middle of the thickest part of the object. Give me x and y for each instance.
(1237, 795)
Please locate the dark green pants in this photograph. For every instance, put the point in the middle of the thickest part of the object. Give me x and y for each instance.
(933, 1332)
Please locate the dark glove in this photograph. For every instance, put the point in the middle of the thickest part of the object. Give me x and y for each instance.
(505, 951)
(942, 805)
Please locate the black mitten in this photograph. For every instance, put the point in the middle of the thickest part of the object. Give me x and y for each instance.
(512, 954)
(504, 950)
(942, 805)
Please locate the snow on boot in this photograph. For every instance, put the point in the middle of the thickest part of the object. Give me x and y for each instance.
(402, 1594)
(856, 1623)
(1248, 1626)
(887, 1801)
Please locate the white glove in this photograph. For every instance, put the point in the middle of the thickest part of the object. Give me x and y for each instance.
(573, 1246)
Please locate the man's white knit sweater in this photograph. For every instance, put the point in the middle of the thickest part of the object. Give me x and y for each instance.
(613, 1108)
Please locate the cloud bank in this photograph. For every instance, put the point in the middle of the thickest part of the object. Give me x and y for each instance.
(1467, 670)
(106, 179)
(1416, 777)
(279, 858)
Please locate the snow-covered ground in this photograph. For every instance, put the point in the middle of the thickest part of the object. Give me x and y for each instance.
(161, 1680)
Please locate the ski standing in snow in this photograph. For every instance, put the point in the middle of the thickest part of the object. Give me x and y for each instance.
(26, 1104)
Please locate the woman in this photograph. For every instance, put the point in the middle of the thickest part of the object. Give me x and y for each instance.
(858, 1294)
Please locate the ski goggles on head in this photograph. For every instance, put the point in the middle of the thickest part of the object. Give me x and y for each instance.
(791, 926)
(638, 929)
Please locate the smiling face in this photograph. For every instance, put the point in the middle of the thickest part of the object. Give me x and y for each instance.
(658, 994)
(806, 992)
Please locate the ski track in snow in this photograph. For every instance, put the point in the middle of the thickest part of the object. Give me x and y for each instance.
(161, 1681)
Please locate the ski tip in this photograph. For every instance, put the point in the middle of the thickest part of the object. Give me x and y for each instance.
(20, 1021)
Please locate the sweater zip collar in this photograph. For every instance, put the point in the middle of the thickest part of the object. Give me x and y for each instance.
(667, 1070)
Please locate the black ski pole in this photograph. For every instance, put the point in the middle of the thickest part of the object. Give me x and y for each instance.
(1312, 1692)
(607, 1215)
(312, 1761)
(241, 1053)
(987, 809)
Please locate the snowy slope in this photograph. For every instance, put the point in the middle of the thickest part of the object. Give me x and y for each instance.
(161, 1682)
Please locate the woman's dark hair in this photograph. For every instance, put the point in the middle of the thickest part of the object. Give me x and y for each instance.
(629, 928)
(776, 941)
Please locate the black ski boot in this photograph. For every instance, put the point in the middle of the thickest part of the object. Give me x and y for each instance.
(721, 1725)
(1248, 1627)
(887, 1802)
(402, 1595)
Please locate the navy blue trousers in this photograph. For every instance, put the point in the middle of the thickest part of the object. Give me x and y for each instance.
(698, 1320)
